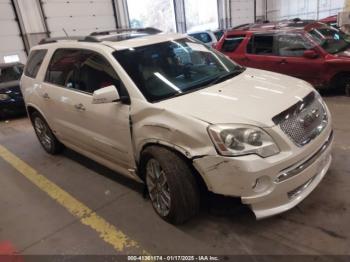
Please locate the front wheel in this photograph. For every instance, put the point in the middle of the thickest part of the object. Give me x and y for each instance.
(171, 185)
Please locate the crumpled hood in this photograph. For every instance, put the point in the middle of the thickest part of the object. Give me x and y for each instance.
(253, 97)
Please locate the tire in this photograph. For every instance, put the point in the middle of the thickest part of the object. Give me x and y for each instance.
(180, 185)
(342, 83)
(45, 136)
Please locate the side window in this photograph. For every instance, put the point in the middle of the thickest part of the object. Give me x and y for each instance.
(292, 45)
(34, 62)
(95, 72)
(231, 43)
(261, 45)
(62, 70)
(82, 70)
(203, 37)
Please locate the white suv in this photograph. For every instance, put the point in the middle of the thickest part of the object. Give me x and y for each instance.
(171, 112)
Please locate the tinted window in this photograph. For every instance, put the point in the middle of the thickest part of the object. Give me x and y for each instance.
(231, 43)
(218, 34)
(261, 45)
(292, 45)
(95, 72)
(34, 62)
(82, 70)
(63, 68)
(203, 37)
(331, 39)
(11, 73)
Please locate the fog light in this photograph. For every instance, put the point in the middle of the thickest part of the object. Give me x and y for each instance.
(261, 184)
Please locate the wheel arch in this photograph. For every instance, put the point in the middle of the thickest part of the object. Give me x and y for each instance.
(181, 152)
(338, 76)
(31, 109)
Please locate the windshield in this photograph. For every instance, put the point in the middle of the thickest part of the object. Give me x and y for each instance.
(175, 68)
(10, 73)
(331, 39)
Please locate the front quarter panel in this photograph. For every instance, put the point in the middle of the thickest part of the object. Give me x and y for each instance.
(157, 125)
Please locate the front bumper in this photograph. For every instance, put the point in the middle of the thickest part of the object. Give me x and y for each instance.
(284, 180)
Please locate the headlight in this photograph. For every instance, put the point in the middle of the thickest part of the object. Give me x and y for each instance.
(4, 97)
(238, 140)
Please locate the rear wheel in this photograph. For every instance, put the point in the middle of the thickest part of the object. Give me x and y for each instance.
(45, 136)
(171, 185)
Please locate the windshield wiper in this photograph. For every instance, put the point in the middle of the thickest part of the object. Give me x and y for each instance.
(227, 76)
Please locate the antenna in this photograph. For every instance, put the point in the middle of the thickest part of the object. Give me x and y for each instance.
(65, 32)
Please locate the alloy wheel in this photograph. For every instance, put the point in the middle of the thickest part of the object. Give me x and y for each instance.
(43, 133)
(158, 187)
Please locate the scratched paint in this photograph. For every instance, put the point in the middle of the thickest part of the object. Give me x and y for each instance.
(106, 231)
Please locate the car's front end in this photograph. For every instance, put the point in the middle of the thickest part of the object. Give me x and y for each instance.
(296, 157)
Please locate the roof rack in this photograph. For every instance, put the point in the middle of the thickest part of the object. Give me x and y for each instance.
(146, 30)
(94, 37)
(74, 38)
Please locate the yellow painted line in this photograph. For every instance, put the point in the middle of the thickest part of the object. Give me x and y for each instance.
(109, 233)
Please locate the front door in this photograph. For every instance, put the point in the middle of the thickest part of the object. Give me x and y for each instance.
(290, 50)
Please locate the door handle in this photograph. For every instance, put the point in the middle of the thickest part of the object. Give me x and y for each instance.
(245, 59)
(46, 96)
(80, 107)
(283, 62)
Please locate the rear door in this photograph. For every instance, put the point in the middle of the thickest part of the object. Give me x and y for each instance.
(101, 129)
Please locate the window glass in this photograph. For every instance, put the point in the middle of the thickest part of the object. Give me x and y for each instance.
(331, 39)
(292, 45)
(231, 43)
(10, 73)
(203, 37)
(152, 13)
(83, 70)
(261, 45)
(95, 72)
(201, 15)
(63, 68)
(218, 34)
(34, 62)
(173, 68)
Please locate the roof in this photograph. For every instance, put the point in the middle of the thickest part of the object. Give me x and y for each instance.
(286, 25)
(120, 38)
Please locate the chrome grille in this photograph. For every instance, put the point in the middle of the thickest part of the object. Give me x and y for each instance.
(304, 121)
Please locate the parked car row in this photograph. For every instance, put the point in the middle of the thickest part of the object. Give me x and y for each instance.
(312, 51)
(179, 116)
(305, 49)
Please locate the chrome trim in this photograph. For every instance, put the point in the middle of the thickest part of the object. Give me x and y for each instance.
(299, 190)
(296, 169)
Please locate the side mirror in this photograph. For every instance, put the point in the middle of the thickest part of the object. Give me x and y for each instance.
(312, 54)
(105, 95)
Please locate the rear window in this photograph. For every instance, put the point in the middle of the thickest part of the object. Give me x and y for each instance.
(203, 37)
(231, 43)
(34, 62)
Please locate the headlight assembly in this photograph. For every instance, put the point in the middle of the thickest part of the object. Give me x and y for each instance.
(4, 97)
(238, 140)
